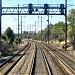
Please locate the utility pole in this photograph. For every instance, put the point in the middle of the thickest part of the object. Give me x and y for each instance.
(0, 16)
(30, 31)
(48, 28)
(18, 22)
(27, 32)
(35, 28)
(65, 25)
(21, 27)
(41, 28)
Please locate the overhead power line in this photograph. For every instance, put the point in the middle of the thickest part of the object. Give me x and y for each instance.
(12, 5)
(11, 2)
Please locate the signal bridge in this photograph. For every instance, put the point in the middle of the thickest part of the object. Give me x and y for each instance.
(34, 9)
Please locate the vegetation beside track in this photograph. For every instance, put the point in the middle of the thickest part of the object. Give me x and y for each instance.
(9, 42)
(7, 49)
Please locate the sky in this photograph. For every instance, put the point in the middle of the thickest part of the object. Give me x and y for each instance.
(29, 20)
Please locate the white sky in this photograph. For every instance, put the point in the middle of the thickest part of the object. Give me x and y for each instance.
(9, 21)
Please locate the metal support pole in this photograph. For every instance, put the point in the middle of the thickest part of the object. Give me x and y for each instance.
(65, 24)
(35, 28)
(48, 28)
(0, 16)
(18, 20)
(27, 32)
(41, 28)
(21, 27)
(30, 31)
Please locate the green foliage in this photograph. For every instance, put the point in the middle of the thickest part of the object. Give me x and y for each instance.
(9, 35)
(71, 20)
(71, 29)
(38, 35)
(3, 37)
(17, 40)
(61, 38)
(25, 33)
(71, 16)
(9, 32)
(72, 42)
(57, 30)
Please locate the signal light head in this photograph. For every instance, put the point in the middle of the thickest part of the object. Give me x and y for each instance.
(62, 9)
(30, 6)
(61, 6)
(45, 6)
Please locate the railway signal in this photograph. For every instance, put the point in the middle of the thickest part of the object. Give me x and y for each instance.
(30, 8)
(46, 9)
(62, 9)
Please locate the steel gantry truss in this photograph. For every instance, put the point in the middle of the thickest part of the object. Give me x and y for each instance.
(35, 9)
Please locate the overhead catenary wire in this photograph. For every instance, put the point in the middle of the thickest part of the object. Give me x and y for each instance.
(12, 5)
(11, 2)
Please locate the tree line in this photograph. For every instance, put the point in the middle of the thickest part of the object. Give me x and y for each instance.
(56, 31)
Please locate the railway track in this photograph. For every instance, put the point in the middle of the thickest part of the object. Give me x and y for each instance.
(41, 65)
(65, 62)
(24, 66)
(4, 60)
(38, 59)
(6, 66)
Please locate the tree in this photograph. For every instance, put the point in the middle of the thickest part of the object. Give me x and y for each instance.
(57, 30)
(25, 34)
(10, 35)
(71, 16)
(71, 20)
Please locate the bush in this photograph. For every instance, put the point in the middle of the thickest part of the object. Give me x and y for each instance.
(72, 42)
(61, 39)
(17, 40)
(0, 54)
(3, 37)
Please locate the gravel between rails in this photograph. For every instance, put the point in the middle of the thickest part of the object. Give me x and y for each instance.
(54, 66)
(67, 60)
(70, 52)
(67, 65)
(40, 66)
(67, 55)
(22, 66)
